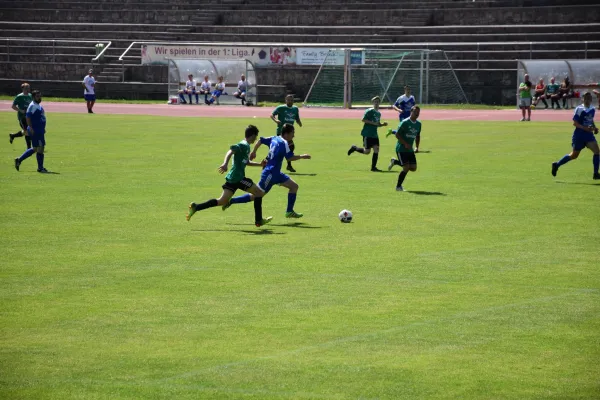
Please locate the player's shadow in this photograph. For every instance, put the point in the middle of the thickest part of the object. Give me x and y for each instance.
(426, 193)
(45, 173)
(246, 231)
(579, 183)
(298, 225)
(297, 174)
(423, 151)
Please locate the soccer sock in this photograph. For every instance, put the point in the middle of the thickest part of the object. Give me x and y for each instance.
(401, 178)
(291, 202)
(596, 161)
(360, 150)
(564, 160)
(245, 198)
(397, 162)
(28, 141)
(207, 204)
(28, 153)
(18, 134)
(258, 210)
(374, 160)
(40, 160)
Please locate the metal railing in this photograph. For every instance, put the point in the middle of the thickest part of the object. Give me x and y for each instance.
(54, 42)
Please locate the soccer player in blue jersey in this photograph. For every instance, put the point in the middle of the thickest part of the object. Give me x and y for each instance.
(583, 136)
(36, 128)
(272, 175)
(403, 105)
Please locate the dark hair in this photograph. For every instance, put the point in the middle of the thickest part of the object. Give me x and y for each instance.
(35, 92)
(287, 128)
(251, 130)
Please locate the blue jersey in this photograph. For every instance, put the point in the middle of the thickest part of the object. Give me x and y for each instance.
(278, 150)
(584, 116)
(35, 112)
(405, 103)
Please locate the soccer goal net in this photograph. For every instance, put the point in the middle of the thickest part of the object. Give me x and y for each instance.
(351, 77)
(230, 70)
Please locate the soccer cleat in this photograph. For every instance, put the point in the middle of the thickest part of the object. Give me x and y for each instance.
(352, 150)
(375, 169)
(43, 171)
(226, 206)
(264, 221)
(399, 188)
(290, 168)
(11, 137)
(522, 119)
(293, 214)
(191, 211)
(596, 176)
(554, 168)
(17, 164)
(528, 119)
(392, 162)
(390, 132)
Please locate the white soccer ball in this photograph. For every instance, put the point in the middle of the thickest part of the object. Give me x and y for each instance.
(345, 216)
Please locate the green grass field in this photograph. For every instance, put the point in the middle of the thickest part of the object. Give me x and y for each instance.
(481, 283)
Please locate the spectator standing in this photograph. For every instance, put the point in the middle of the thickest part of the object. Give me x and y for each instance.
(89, 90)
(525, 98)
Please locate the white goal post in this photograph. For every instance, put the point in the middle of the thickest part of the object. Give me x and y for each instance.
(351, 77)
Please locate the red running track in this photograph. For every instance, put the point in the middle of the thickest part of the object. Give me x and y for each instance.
(185, 110)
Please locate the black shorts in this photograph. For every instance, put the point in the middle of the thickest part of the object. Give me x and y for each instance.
(23, 122)
(406, 158)
(369, 142)
(244, 184)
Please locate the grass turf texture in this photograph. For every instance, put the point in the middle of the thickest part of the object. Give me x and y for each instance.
(482, 282)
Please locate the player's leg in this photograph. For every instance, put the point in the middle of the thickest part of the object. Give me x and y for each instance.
(528, 108)
(293, 187)
(593, 146)
(197, 97)
(92, 104)
(543, 98)
(522, 107)
(224, 199)
(182, 97)
(418, 142)
(289, 163)
(374, 143)
(28, 153)
(23, 125)
(257, 194)
(39, 154)
(578, 145)
(363, 150)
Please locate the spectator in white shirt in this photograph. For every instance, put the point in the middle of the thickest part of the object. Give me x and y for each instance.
(205, 88)
(190, 89)
(89, 93)
(242, 89)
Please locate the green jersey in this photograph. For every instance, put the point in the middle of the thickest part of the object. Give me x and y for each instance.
(22, 102)
(525, 94)
(241, 156)
(286, 115)
(408, 131)
(369, 130)
(552, 88)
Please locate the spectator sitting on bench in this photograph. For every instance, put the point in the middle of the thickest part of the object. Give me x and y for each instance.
(190, 88)
(566, 92)
(552, 93)
(219, 90)
(205, 88)
(241, 89)
(540, 91)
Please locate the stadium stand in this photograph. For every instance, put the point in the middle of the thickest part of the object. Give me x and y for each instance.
(481, 38)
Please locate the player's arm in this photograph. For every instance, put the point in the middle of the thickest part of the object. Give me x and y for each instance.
(298, 121)
(84, 87)
(14, 107)
(223, 167)
(261, 141)
(274, 119)
(300, 157)
(401, 139)
(256, 164)
(377, 124)
(577, 125)
(29, 124)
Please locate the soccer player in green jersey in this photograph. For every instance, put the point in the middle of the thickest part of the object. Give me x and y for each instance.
(235, 179)
(287, 113)
(406, 134)
(372, 121)
(20, 104)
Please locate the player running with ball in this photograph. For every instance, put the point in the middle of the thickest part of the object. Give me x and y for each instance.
(583, 136)
(408, 131)
(235, 179)
(279, 149)
(371, 120)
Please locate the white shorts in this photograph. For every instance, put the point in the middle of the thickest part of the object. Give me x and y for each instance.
(525, 102)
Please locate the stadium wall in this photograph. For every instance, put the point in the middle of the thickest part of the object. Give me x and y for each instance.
(494, 87)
